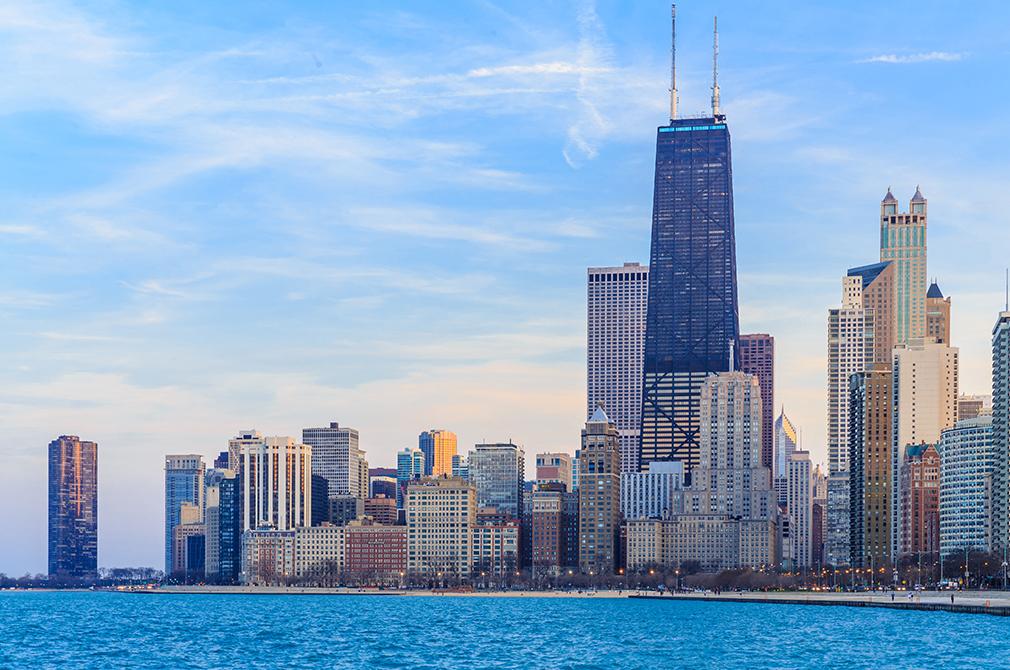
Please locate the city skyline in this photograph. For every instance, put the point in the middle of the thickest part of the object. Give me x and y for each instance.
(131, 376)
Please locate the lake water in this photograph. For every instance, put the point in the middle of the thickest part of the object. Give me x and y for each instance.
(111, 630)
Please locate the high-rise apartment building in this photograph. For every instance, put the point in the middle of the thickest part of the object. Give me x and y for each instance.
(967, 461)
(235, 444)
(692, 321)
(337, 457)
(786, 442)
(73, 508)
(439, 446)
(441, 513)
(757, 357)
(184, 483)
(617, 298)
(653, 494)
(276, 484)
(937, 315)
(871, 487)
(925, 403)
(223, 522)
(1000, 539)
(799, 502)
(409, 466)
(497, 471)
(599, 494)
(920, 500)
(819, 525)
(555, 467)
(553, 524)
(903, 241)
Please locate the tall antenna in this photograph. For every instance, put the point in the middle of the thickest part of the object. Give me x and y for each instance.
(673, 62)
(715, 67)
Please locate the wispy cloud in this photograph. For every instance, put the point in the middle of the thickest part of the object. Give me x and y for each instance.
(925, 57)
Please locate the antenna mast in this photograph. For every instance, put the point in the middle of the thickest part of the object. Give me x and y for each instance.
(673, 62)
(715, 67)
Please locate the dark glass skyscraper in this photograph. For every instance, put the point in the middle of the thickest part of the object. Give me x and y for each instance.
(73, 508)
(692, 323)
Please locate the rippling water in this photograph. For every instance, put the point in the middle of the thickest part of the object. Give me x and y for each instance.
(111, 630)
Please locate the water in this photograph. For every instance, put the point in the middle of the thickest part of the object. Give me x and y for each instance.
(112, 630)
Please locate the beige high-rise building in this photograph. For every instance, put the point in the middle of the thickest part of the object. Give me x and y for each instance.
(937, 315)
(276, 483)
(799, 503)
(903, 241)
(599, 494)
(925, 403)
(441, 513)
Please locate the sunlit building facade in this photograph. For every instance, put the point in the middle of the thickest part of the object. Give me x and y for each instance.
(73, 508)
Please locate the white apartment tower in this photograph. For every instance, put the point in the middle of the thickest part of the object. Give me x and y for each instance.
(616, 307)
(799, 502)
(276, 484)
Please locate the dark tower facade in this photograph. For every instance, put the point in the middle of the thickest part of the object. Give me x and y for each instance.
(692, 321)
(73, 508)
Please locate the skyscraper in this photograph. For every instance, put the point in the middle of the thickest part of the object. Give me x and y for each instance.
(184, 483)
(799, 502)
(903, 241)
(599, 495)
(786, 442)
(937, 315)
(967, 459)
(757, 357)
(870, 443)
(496, 470)
(692, 322)
(924, 404)
(276, 484)
(409, 466)
(439, 446)
(73, 508)
(223, 521)
(1001, 433)
(920, 500)
(615, 338)
(337, 457)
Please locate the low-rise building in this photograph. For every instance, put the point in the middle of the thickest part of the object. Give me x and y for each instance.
(268, 557)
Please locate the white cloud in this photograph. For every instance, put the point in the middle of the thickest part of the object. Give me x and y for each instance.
(925, 57)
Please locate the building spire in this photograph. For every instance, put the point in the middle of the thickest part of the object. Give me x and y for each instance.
(715, 67)
(673, 62)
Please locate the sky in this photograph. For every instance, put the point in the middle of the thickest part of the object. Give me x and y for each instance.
(222, 216)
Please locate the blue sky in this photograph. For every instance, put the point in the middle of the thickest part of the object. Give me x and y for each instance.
(218, 216)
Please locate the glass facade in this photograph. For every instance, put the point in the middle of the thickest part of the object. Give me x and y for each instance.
(692, 319)
(73, 508)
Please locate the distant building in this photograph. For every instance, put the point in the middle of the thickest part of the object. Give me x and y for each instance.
(244, 438)
(903, 242)
(554, 467)
(617, 300)
(320, 500)
(73, 508)
(757, 357)
(184, 483)
(336, 456)
(819, 522)
(383, 485)
(409, 466)
(439, 446)
(495, 548)
(599, 495)
(871, 496)
(344, 509)
(381, 509)
(496, 470)
(223, 521)
(799, 502)
(1000, 525)
(654, 494)
(460, 467)
(937, 315)
(221, 462)
(786, 442)
(268, 557)
(971, 406)
(276, 484)
(967, 462)
(920, 500)
(441, 513)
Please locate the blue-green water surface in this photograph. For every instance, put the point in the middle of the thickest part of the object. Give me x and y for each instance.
(113, 630)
